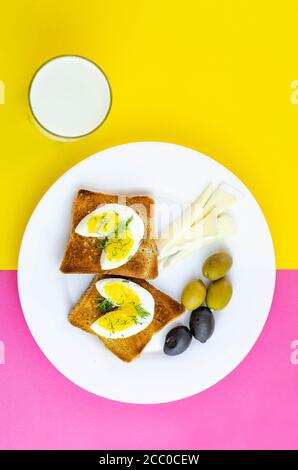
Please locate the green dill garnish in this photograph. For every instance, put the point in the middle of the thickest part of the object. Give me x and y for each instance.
(121, 322)
(119, 246)
(104, 305)
(111, 326)
(141, 312)
(128, 221)
(135, 320)
(102, 243)
(122, 226)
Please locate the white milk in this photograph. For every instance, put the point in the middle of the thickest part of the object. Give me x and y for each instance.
(69, 97)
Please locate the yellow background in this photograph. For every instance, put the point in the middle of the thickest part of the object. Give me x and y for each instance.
(212, 75)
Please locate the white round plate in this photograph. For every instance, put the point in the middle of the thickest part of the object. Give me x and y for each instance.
(170, 173)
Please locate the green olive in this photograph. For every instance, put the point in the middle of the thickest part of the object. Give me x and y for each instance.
(194, 294)
(217, 265)
(219, 294)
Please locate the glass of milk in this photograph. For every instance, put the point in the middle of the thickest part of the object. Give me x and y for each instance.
(69, 97)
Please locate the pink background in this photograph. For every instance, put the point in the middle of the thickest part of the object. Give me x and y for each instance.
(255, 407)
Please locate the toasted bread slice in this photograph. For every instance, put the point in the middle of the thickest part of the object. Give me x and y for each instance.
(86, 312)
(82, 254)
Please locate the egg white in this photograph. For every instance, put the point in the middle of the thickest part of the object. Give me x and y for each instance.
(146, 302)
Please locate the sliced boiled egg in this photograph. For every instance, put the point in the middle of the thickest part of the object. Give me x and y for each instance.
(101, 222)
(121, 230)
(126, 308)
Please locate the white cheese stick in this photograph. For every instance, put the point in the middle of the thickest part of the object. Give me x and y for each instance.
(179, 255)
(175, 231)
(226, 229)
(206, 227)
(223, 198)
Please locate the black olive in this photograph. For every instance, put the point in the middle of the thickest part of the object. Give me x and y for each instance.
(202, 323)
(177, 340)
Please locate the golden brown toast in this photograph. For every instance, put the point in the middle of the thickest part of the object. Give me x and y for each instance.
(86, 312)
(82, 254)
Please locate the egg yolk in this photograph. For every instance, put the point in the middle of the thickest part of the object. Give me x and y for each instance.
(121, 294)
(120, 319)
(105, 222)
(119, 248)
(124, 316)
